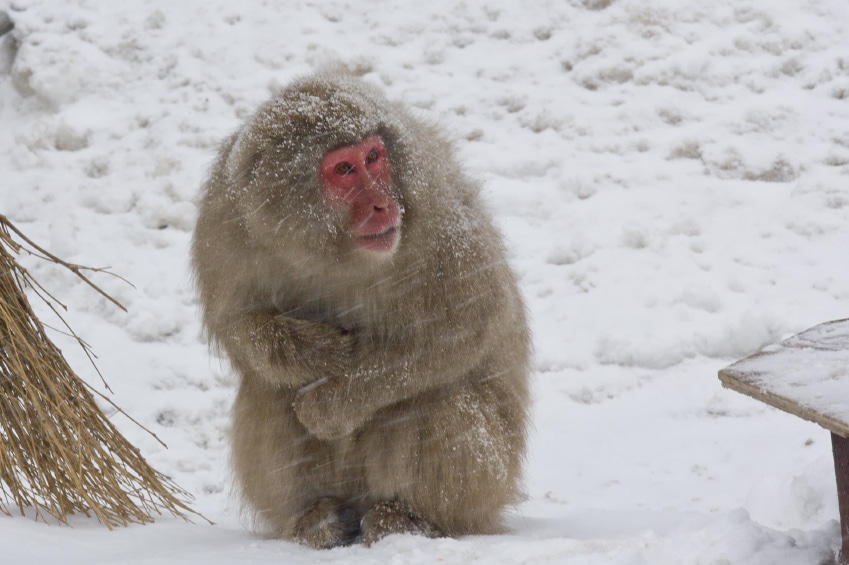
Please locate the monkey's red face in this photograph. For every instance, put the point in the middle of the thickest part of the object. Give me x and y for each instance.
(357, 177)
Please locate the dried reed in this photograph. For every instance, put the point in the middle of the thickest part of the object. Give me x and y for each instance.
(59, 454)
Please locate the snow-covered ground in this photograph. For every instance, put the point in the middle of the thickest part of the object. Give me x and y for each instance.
(672, 180)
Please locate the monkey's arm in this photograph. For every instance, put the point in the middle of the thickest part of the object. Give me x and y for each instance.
(284, 351)
(433, 355)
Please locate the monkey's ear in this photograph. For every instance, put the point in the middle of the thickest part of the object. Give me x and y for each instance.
(243, 155)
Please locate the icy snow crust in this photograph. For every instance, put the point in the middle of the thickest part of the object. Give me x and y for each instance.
(671, 178)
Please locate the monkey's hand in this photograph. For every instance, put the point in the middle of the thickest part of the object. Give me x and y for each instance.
(326, 410)
(287, 351)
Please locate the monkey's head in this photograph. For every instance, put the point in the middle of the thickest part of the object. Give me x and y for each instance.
(313, 172)
(357, 179)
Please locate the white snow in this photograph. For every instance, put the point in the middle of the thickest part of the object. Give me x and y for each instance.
(672, 178)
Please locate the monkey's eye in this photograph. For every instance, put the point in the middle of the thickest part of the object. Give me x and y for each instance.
(372, 156)
(343, 169)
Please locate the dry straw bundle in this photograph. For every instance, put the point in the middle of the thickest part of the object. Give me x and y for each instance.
(59, 454)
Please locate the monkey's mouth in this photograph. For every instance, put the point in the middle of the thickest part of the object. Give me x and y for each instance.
(380, 242)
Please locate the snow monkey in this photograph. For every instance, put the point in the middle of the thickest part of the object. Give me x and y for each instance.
(348, 269)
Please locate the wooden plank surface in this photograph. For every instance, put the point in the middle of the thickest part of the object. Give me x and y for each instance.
(806, 375)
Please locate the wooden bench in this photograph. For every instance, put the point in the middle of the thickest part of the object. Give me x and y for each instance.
(807, 375)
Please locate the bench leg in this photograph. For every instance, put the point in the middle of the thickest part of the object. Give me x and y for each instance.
(840, 448)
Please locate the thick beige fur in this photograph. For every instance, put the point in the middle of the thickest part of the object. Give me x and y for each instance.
(368, 384)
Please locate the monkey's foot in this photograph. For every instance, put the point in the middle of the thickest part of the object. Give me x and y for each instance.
(327, 522)
(394, 517)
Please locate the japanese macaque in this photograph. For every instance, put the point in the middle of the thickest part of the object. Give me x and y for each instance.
(348, 269)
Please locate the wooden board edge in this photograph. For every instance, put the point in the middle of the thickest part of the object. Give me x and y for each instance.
(729, 379)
